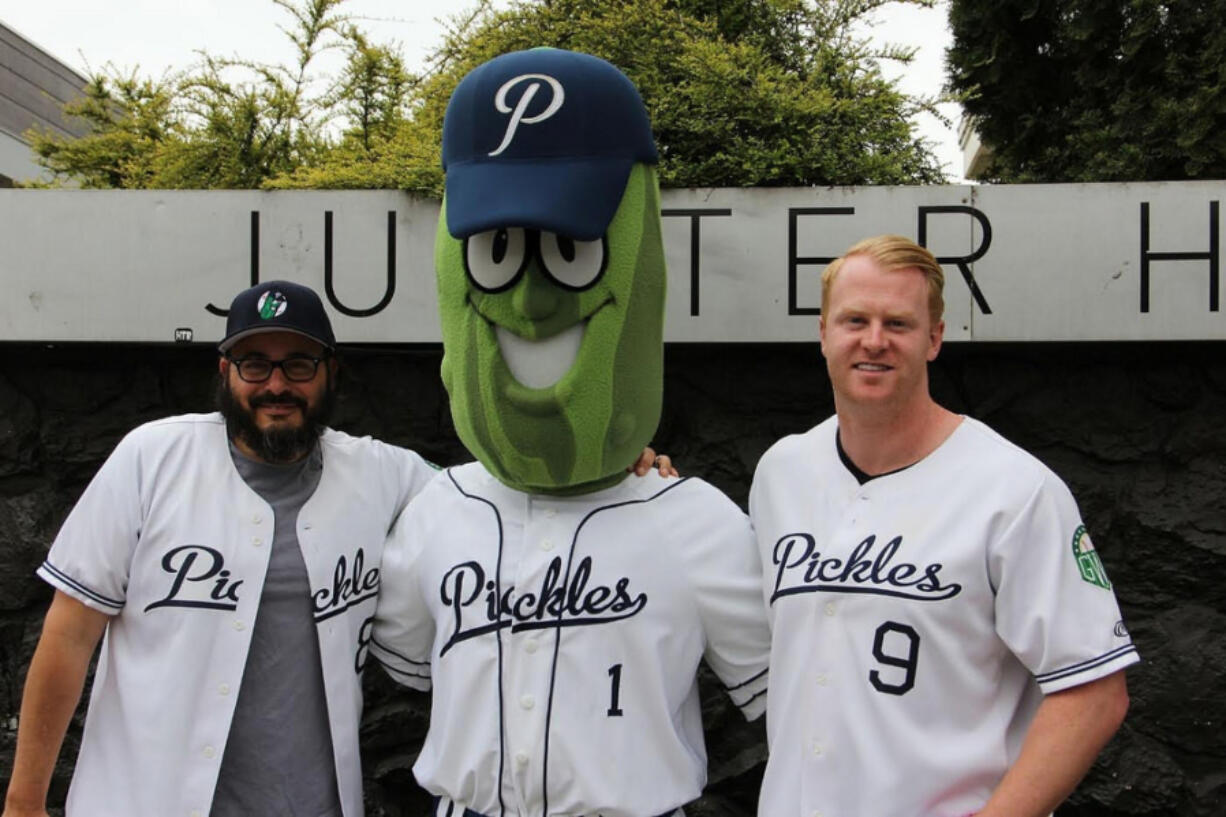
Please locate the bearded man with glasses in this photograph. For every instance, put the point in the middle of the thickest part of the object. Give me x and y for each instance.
(231, 559)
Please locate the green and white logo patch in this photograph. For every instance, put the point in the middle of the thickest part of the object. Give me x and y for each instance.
(1088, 563)
(271, 305)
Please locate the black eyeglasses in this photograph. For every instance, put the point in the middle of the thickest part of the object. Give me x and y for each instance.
(298, 369)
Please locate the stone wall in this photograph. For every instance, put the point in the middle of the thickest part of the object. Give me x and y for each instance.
(1134, 428)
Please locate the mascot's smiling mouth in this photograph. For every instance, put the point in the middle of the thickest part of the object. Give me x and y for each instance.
(539, 364)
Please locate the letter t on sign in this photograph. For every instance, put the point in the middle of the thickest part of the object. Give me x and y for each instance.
(694, 216)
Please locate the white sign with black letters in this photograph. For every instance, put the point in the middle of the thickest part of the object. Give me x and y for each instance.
(1023, 262)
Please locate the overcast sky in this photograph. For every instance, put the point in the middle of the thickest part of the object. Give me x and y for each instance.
(160, 35)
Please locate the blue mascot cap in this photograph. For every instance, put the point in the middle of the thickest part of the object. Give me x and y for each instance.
(543, 139)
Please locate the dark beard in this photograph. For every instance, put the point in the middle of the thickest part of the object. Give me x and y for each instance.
(275, 445)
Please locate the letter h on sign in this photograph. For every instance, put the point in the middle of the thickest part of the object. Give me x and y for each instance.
(1212, 256)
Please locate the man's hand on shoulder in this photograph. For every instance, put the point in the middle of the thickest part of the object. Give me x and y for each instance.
(649, 459)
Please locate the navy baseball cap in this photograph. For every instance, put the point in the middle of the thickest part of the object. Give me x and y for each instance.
(277, 306)
(545, 139)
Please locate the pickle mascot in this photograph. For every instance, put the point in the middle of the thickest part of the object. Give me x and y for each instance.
(559, 607)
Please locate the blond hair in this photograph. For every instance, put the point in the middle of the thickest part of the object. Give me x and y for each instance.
(895, 252)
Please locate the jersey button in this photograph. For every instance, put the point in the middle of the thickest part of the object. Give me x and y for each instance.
(531, 646)
(527, 701)
(194, 813)
(240, 626)
(521, 758)
(257, 541)
(830, 608)
(257, 519)
(817, 749)
(550, 513)
(823, 679)
(224, 689)
(209, 751)
(546, 544)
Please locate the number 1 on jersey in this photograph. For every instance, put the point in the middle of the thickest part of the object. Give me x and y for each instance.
(615, 673)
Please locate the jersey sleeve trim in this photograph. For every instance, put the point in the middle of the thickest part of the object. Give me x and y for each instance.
(415, 674)
(1098, 667)
(62, 581)
(750, 695)
(397, 656)
(746, 683)
(754, 706)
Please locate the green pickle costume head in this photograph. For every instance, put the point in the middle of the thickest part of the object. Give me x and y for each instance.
(551, 270)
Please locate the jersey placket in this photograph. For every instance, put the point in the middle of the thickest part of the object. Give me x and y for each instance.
(821, 752)
(537, 568)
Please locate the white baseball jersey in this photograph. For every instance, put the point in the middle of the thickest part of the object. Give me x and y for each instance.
(170, 541)
(917, 621)
(562, 636)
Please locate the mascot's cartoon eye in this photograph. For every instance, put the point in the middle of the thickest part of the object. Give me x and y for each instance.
(570, 263)
(494, 259)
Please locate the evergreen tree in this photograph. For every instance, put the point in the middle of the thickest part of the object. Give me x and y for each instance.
(1094, 90)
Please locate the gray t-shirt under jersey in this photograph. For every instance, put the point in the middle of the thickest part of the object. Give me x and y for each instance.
(278, 760)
